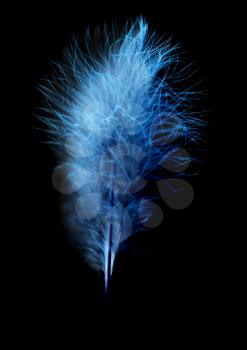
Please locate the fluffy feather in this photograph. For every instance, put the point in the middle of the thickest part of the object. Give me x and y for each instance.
(114, 119)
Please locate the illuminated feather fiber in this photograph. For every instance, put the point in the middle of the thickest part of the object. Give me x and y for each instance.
(113, 121)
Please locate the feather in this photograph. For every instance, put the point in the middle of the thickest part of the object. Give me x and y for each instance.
(115, 118)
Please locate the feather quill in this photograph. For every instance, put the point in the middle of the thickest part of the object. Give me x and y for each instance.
(114, 119)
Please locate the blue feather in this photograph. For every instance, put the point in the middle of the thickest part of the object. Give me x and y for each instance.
(114, 120)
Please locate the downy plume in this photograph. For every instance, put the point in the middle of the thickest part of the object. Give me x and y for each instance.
(114, 116)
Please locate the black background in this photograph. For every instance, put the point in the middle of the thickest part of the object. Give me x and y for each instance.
(166, 274)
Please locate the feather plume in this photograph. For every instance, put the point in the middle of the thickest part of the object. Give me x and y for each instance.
(115, 118)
